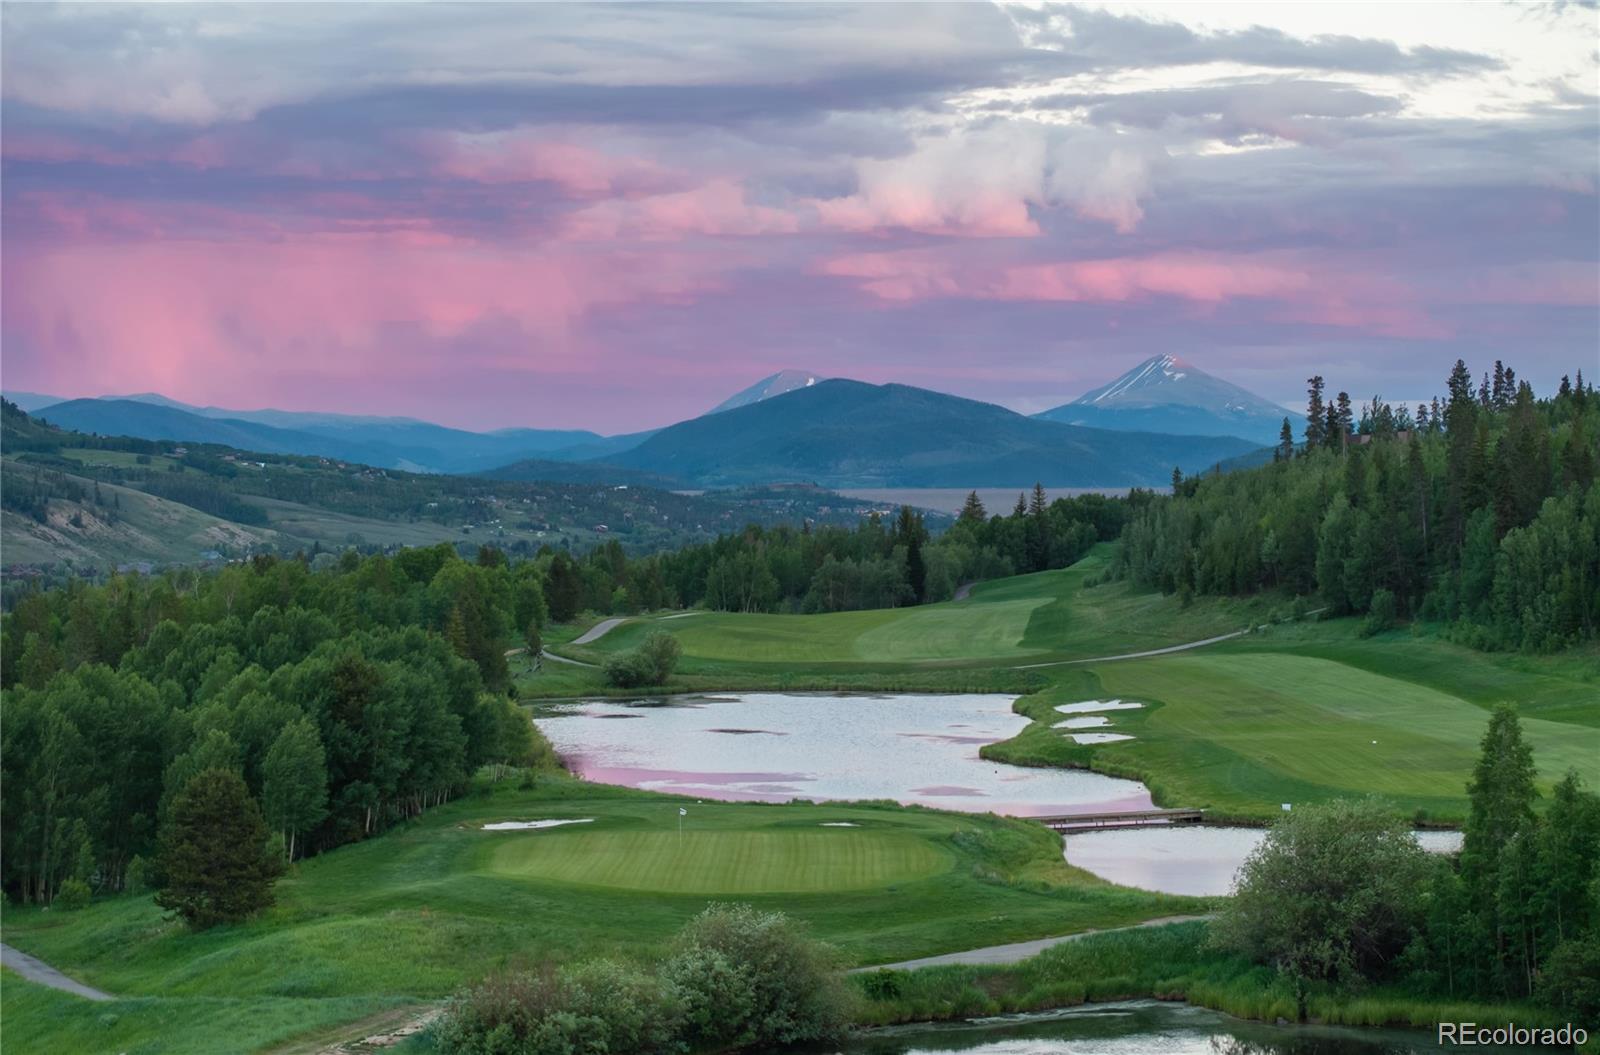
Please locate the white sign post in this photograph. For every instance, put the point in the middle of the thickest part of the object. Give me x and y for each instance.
(682, 813)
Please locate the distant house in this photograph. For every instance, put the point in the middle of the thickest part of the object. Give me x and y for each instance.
(1361, 439)
(601, 528)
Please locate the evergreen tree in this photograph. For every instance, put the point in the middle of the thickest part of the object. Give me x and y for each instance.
(1346, 421)
(1316, 435)
(1177, 479)
(1501, 794)
(1285, 449)
(215, 864)
(972, 511)
(1038, 529)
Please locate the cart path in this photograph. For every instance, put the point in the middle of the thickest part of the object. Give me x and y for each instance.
(1016, 952)
(599, 630)
(1137, 655)
(35, 970)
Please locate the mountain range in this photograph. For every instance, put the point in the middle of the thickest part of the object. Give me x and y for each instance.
(1166, 394)
(793, 426)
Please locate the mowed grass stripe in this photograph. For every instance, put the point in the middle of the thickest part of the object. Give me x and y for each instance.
(722, 862)
(1316, 720)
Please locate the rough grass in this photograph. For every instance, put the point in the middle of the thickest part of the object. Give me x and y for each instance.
(41, 1020)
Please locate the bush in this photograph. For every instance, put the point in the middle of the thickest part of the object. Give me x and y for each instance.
(216, 866)
(598, 1008)
(744, 977)
(1381, 614)
(73, 895)
(651, 663)
(1570, 981)
(1333, 893)
(738, 978)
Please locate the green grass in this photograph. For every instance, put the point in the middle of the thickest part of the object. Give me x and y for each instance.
(417, 912)
(1025, 619)
(731, 863)
(37, 1019)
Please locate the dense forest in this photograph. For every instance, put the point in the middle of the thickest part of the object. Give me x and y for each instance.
(347, 699)
(1479, 510)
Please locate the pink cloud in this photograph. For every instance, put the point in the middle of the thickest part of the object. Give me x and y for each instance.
(719, 207)
(1303, 291)
(192, 316)
(524, 156)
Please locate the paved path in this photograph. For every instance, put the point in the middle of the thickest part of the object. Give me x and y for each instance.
(547, 654)
(42, 973)
(599, 630)
(1136, 655)
(1016, 952)
(963, 591)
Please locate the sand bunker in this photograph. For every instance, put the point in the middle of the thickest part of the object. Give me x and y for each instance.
(523, 826)
(1091, 706)
(1099, 738)
(1091, 722)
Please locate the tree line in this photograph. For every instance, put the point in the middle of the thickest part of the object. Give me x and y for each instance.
(883, 562)
(1479, 510)
(344, 700)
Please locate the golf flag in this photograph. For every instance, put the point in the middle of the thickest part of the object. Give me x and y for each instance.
(682, 812)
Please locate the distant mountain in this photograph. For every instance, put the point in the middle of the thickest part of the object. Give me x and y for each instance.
(842, 433)
(776, 385)
(30, 401)
(1168, 395)
(389, 443)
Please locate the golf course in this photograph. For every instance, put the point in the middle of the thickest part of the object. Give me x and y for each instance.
(1291, 710)
(377, 933)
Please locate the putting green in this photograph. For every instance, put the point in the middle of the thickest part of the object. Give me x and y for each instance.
(720, 862)
(1239, 720)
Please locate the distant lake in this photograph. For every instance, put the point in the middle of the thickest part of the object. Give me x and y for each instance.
(774, 747)
(951, 499)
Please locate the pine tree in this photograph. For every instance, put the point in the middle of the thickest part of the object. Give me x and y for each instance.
(972, 511)
(1501, 794)
(1285, 449)
(1021, 509)
(1177, 479)
(1346, 421)
(1038, 538)
(1315, 434)
(215, 863)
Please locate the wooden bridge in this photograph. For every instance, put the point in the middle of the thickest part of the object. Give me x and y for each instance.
(1088, 822)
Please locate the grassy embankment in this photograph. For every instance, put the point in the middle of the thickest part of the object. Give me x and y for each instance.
(411, 915)
(1166, 963)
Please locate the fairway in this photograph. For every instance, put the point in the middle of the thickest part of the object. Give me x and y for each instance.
(722, 862)
(1245, 730)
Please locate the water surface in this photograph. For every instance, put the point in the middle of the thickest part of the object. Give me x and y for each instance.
(1145, 1027)
(775, 747)
(1185, 859)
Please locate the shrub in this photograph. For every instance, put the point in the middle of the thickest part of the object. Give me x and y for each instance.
(599, 1008)
(745, 977)
(1333, 893)
(1570, 981)
(73, 895)
(1381, 614)
(882, 984)
(651, 663)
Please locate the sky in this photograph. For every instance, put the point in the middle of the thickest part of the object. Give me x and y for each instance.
(614, 216)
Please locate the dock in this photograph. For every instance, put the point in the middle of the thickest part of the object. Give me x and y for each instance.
(1092, 822)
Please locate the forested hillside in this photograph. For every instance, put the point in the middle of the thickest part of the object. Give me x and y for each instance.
(1480, 510)
(346, 699)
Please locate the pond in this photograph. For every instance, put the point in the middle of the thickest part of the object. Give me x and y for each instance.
(1145, 1027)
(1186, 859)
(773, 747)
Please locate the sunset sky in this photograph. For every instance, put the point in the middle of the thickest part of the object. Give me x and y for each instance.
(613, 216)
